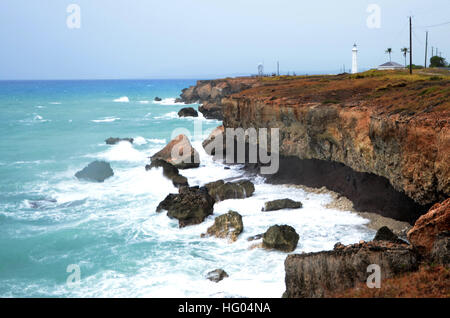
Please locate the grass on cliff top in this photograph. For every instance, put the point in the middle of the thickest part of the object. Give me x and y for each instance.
(390, 92)
(428, 282)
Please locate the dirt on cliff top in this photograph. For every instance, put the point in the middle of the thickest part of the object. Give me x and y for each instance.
(386, 92)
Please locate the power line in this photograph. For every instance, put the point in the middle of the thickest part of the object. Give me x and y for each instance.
(433, 26)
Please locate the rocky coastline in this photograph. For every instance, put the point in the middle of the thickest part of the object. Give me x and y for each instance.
(379, 141)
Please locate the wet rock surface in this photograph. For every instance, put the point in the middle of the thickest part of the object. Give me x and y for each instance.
(190, 206)
(281, 204)
(180, 153)
(169, 171)
(97, 171)
(221, 190)
(217, 275)
(281, 237)
(188, 112)
(228, 225)
(113, 140)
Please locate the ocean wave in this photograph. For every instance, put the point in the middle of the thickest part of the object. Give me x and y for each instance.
(123, 99)
(143, 102)
(139, 140)
(170, 115)
(123, 151)
(55, 103)
(157, 141)
(105, 120)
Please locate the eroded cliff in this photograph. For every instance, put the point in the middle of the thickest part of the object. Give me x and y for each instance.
(385, 125)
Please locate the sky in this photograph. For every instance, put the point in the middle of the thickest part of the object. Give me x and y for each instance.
(209, 38)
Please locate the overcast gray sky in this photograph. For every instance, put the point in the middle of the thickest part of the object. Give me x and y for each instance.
(208, 38)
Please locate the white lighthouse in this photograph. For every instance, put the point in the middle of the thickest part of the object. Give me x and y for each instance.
(354, 59)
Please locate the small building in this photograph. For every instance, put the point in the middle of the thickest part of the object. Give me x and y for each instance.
(390, 66)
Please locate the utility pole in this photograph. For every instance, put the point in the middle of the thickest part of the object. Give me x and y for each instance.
(426, 50)
(410, 45)
(278, 68)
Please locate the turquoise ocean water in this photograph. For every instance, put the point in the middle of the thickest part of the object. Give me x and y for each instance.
(49, 220)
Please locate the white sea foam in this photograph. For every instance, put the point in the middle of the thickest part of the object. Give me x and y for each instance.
(157, 141)
(105, 120)
(123, 99)
(170, 115)
(55, 103)
(139, 140)
(143, 102)
(123, 151)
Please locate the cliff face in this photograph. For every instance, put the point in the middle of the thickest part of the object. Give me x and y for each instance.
(210, 93)
(386, 124)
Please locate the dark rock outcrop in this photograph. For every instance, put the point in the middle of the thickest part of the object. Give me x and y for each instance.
(221, 190)
(188, 112)
(190, 206)
(170, 172)
(113, 141)
(180, 153)
(97, 171)
(385, 234)
(320, 274)
(281, 204)
(281, 237)
(426, 229)
(210, 93)
(217, 275)
(158, 99)
(227, 225)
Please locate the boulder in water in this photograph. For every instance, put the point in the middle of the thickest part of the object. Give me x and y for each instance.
(190, 206)
(180, 153)
(228, 225)
(216, 275)
(221, 190)
(188, 112)
(281, 237)
(158, 99)
(97, 171)
(281, 204)
(170, 172)
(113, 141)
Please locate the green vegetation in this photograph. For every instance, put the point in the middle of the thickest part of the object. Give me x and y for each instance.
(437, 61)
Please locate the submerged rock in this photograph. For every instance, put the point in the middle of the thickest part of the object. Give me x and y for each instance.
(281, 204)
(188, 112)
(217, 275)
(228, 225)
(190, 206)
(180, 153)
(97, 171)
(113, 141)
(158, 99)
(170, 172)
(385, 234)
(429, 226)
(255, 237)
(281, 237)
(324, 273)
(221, 191)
